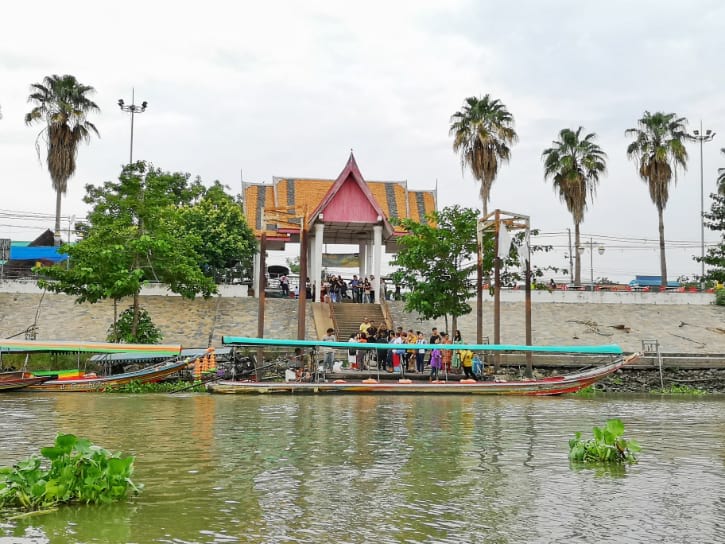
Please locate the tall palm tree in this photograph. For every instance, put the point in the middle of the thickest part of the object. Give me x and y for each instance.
(658, 150)
(575, 164)
(483, 134)
(721, 177)
(62, 104)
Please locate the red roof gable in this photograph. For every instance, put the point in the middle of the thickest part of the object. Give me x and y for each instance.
(350, 200)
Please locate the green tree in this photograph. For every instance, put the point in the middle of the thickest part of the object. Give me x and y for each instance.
(62, 104)
(715, 256)
(293, 264)
(135, 234)
(575, 164)
(721, 176)
(483, 134)
(658, 150)
(431, 258)
(224, 237)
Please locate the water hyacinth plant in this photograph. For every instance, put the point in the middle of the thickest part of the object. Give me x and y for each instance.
(607, 446)
(79, 472)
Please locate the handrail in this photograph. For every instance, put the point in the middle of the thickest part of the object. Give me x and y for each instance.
(386, 313)
(333, 318)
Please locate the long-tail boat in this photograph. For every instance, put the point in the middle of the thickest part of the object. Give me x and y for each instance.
(79, 381)
(554, 385)
(11, 381)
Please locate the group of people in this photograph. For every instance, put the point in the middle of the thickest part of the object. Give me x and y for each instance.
(404, 357)
(359, 289)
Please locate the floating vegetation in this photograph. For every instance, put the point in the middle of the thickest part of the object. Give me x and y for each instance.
(158, 387)
(676, 389)
(607, 446)
(588, 391)
(79, 472)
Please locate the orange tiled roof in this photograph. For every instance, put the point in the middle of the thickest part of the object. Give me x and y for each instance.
(394, 198)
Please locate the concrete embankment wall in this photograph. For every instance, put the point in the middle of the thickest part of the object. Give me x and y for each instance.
(685, 328)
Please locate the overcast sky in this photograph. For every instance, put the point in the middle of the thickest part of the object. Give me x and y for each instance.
(288, 88)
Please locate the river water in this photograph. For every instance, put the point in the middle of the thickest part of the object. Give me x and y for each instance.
(354, 469)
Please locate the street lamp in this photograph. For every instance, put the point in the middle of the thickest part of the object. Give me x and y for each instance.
(600, 250)
(133, 109)
(702, 137)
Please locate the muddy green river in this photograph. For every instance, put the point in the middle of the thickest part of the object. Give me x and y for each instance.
(358, 469)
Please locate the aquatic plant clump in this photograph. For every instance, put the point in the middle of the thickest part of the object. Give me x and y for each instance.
(607, 446)
(79, 472)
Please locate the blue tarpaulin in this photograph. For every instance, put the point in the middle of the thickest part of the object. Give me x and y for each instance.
(36, 253)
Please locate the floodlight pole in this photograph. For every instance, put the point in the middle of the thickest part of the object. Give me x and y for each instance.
(133, 109)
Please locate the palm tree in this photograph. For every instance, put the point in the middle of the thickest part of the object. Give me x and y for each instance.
(721, 177)
(658, 150)
(483, 133)
(575, 164)
(61, 102)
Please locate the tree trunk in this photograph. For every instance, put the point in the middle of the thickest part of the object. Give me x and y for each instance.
(134, 323)
(663, 258)
(56, 233)
(577, 257)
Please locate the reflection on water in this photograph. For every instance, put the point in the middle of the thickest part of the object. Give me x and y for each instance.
(378, 469)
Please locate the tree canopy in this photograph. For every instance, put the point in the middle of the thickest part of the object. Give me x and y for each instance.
(575, 163)
(62, 104)
(483, 134)
(435, 261)
(151, 226)
(659, 150)
(715, 256)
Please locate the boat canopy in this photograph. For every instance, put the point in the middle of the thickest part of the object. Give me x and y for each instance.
(60, 346)
(244, 341)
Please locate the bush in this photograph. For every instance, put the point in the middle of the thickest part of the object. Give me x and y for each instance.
(146, 331)
(720, 296)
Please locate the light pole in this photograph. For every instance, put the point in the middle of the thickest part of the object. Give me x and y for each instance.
(702, 137)
(600, 250)
(133, 109)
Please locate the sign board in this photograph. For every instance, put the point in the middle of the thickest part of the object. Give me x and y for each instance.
(4, 248)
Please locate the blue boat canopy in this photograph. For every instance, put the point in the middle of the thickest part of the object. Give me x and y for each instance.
(610, 349)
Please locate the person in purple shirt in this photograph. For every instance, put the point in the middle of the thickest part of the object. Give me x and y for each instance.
(436, 361)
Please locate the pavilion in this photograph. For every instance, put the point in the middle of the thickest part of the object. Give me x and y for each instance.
(347, 210)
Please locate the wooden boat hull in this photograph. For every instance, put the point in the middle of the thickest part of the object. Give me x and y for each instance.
(548, 386)
(12, 381)
(152, 373)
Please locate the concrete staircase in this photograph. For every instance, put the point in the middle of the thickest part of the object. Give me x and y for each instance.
(349, 315)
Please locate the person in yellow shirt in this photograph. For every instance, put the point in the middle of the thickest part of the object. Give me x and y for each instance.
(466, 356)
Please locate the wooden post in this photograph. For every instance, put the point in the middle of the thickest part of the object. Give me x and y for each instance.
(261, 297)
(527, 306)
(301, 309)
(497, 294)
(479, 291)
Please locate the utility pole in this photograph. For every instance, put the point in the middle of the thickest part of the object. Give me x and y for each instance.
(571, 259)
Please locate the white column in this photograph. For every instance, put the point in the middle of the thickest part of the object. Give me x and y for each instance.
(362, 247)
(317, 258)
(255, 271)
(369, 258)
(377, 259)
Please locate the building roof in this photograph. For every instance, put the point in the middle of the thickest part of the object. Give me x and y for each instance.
(287, 199)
